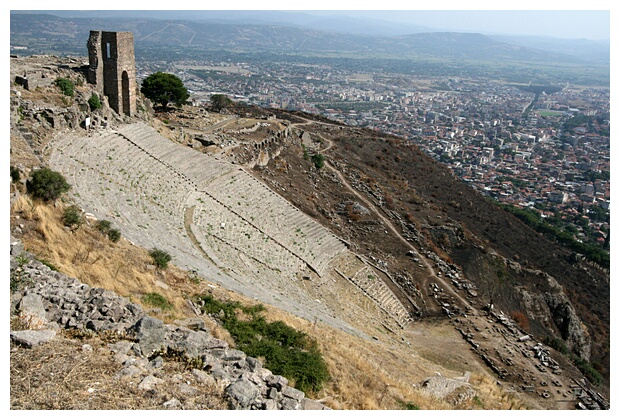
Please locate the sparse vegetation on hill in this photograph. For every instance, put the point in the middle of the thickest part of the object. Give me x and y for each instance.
(499, 231)
(358, 380)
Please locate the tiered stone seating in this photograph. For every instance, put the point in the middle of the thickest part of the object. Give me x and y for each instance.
(196, 166)
(145, 184)
(102, 173)
(245, 196)
(121, 179)
(367, 280)
(348, 264)
(212, 218)
(363, 276)
(277, 217)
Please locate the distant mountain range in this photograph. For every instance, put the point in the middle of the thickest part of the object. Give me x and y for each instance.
(292, 33)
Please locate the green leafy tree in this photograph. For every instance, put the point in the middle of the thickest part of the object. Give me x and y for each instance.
(47, 185)
(219, 102)
(164, 88)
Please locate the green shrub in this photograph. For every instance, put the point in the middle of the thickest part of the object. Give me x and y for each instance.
(160, 258)
(558, 344)
(114, 235)
(15, 177)
(103, 226)
(286, 351)
(66, 86)
(318, 160)
(72, 216)
(94, 102)
(588, 371)
(46, 184)
(156, 300)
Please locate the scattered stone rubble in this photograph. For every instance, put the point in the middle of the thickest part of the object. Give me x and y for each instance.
(544, 377)
(51, 301)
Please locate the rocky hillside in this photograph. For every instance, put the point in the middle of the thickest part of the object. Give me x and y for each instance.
(140, 343)
(349, 228)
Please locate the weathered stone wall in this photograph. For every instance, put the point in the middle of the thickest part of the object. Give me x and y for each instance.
(112, 68)
(95, 65)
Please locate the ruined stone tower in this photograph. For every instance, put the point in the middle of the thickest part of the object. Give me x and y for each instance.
(112, 68)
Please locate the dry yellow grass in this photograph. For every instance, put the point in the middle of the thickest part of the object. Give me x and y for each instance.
(90, 256)
(368, 375)
(60, 375)
(492, 397)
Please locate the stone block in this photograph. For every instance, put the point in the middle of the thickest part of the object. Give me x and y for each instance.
(277, 381)
(243, 393)
(308, 404)
(32, 311)
(270, 405)
(290, 404)
(120, 347)
(149, 333)
(293, 393)
(253, 364)
(149, 382)
(203, 377)
(32, 338)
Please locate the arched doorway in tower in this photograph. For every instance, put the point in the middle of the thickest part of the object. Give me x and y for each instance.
(125, 93)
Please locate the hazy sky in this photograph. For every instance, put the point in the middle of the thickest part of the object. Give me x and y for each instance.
(591, 24)
(564, 19)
